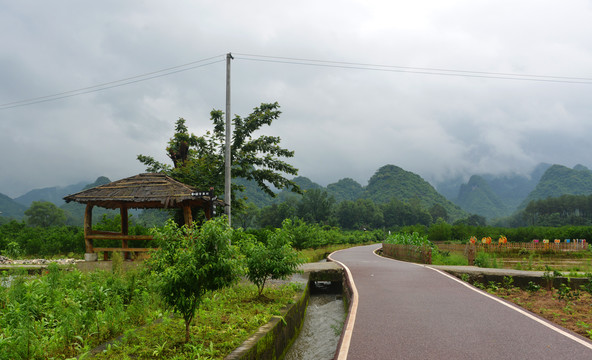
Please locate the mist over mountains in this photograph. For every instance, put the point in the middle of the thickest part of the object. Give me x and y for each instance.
(487, 195)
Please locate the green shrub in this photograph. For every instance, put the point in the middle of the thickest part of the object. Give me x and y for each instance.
(483, 260)
(532, 287)
(274, 260)
(191, 262)
(409, 239)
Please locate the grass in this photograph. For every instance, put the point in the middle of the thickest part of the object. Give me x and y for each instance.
(64, 314)
(225, 320)
(449, 258)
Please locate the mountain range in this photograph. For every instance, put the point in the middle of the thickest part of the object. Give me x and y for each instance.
(491, 196)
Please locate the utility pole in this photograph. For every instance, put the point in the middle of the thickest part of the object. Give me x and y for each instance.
(227, 155)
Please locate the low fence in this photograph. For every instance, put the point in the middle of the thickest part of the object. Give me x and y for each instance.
(514, 247)
(418, 254)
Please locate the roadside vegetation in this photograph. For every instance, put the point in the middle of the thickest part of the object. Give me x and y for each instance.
(564, 306)
(62, 314)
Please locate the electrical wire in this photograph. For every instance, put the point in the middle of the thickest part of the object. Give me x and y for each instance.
(414, 70)
(301, 62)
(114, 84)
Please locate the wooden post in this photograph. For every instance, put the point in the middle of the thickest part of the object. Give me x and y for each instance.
(187, 216)
(470, 251)
(208, 210)
(124, 230)
(88, 228)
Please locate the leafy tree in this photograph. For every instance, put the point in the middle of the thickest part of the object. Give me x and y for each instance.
(191, 262)
(274, 260)
(472, 220)
(45, 214)
(316, 206)
(199, 160)
(359, 214)
(438, 211)
(440, 231)
(247, 217)
(275, 214)
(398, 213)
(346, 214)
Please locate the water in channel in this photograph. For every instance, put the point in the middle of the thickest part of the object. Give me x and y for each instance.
(321, 330)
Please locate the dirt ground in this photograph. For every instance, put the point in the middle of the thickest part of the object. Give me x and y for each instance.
(571, 309)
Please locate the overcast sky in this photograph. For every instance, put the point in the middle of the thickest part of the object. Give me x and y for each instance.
(341, 120)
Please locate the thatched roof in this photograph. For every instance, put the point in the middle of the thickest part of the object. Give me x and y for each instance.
(149, 190)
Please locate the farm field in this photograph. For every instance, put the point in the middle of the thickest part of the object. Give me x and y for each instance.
(525, 258)
(571, 309)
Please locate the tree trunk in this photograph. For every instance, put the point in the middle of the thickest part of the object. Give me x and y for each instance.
(187, 323)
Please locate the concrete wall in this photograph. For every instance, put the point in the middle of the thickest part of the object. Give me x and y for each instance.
(274, 338)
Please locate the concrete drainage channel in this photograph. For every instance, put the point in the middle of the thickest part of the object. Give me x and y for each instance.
(297, 333)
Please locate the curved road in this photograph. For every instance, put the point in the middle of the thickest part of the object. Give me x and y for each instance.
(410, 311)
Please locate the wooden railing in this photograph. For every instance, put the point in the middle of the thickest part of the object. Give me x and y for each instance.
(109, 235)
(512, 247)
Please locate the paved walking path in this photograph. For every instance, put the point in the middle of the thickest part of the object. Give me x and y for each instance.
(409, 311)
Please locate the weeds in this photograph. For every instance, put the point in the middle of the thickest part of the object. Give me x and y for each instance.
(565, 292)
(225, 319)
(486, 260)
(550, 275)
(65, 313)
(508, 282)
(564, 305)
(588, 286)
(532, 287)
(448, 258)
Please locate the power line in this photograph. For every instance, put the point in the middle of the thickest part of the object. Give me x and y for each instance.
(301, 62)
(414, 70)
(114, 84)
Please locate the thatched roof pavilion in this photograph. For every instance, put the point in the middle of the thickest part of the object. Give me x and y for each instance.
(143, 191)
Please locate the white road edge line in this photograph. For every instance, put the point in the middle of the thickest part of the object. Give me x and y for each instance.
(513, 307)
(349, 327)
(517, 309)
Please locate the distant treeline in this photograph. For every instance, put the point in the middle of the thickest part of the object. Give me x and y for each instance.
(318, 207)
(17, 239)
(317, 220)
(558, 211)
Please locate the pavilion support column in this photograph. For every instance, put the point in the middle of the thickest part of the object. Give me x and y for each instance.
(187, 216)
(124, 230)
(208, 210)
(90, 253)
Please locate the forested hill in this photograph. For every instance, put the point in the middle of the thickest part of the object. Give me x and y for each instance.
(76, 210)
(52, 194)
(495, 196)
(560, 180)
(345, 189)
(392, 182)
(10, 208)
(513, 189)
(477, 197)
